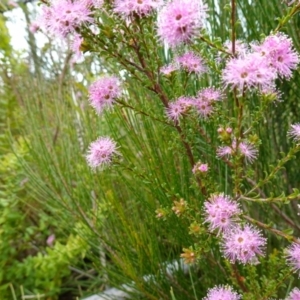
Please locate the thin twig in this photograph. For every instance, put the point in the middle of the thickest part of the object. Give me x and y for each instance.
(271, 229)
(239, 278)
(124, 104)
(233, 12)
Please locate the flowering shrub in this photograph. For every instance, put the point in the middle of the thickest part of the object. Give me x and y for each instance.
(213, 101)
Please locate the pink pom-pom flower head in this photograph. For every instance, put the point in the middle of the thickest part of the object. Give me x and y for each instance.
(205, 100)
(103, 93)
(294, 132)
(191, 62)
(248, 151)
(243, 244)
(293, 257)
(64, 16)
(178, 108)
(101, 152)
(248, 72)
(220, 212)
(222, 293)
(180, 20)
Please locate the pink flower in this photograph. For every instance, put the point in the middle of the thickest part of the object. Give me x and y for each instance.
(248, 151)
(294, 294)
(168, 69)
(191, 63)
(12, 3)
(140, 7)
(271, 93)
(180, 20)
(179, 108)
(293, 256)
(243, 244)
(76, 44)
(50, 240)
(229, 130)
(224, 151)
(203, 107)
(278, 51)
(203, 168)
(34, 27)
(210, 94)
(245, 149)
(103, 93)
(204, 102)
(200, 168)
(294, 132)
(222, 293)
(273, 57)
(219, 212)
(250, 71)
(64, 16)
(101, 152)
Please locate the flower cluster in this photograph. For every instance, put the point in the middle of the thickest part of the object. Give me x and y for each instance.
(205, 99)
(250, 71)
(180, 20)
(238, 244)
(243, 244)
(179, 108)
(278, 51)
(203, 104)
(220, 211)
(191, 63)
(258, 69)
(222, 293)
(103, 92)
(244, 148)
